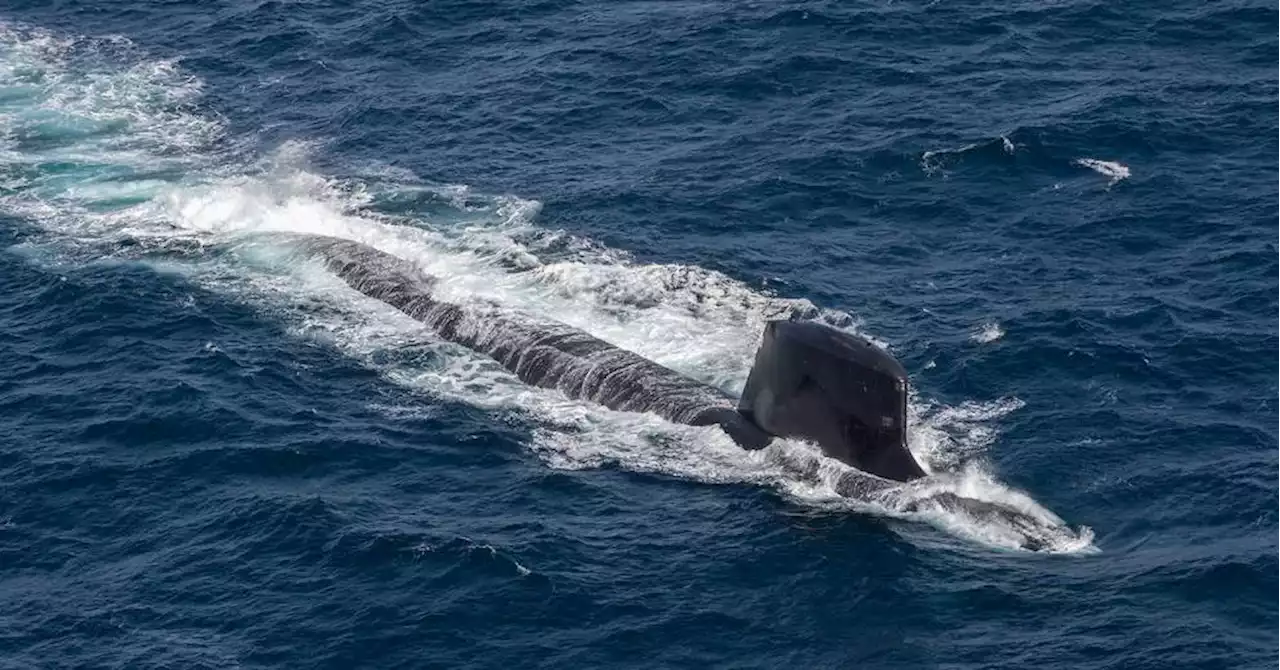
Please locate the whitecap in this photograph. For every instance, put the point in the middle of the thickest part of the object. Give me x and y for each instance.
(987, 333)
(1115, 171)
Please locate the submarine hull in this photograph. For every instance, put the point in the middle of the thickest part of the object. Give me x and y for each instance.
(541, 353)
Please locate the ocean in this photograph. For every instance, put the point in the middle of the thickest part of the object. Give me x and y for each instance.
(1059, 215)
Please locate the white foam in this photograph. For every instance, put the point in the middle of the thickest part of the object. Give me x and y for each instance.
(1033, 523)
(483, 247)
(989, 332)
(936, 160)
(1115, 171)
(945, 437)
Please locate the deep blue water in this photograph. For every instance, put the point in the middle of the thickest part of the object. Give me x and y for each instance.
(1060, 216)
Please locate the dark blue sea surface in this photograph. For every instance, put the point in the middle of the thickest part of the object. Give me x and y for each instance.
(1059, 215)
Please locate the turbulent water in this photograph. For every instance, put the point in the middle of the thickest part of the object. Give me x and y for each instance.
(1060, 216)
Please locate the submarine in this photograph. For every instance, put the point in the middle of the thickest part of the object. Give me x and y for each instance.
(809, 381)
